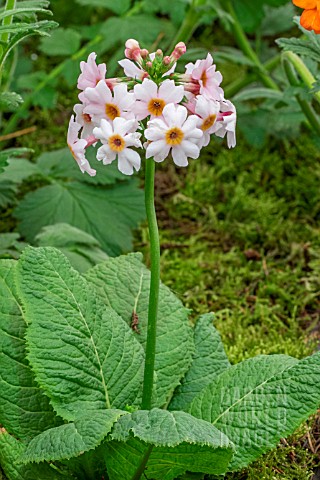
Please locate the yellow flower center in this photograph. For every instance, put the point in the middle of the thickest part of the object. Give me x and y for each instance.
(204, 78)
(174, 136)
(208, 122)
(116, 143)
(112, 111)
(155, 106)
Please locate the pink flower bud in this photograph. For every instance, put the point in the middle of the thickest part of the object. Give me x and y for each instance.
(149, 64)
(167, 60)
(133, 51)
(179, 50)
(144, 53)
(159, 53)
(112, 82)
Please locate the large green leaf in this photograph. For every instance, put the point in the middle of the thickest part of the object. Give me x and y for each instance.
(208, 362)
(7, 193)
(11, 451)
(62, 42)
(82, 250)
(84, 355)
(259, 401)
(106, 214)
(72, 439)
(124, 284)
(24, 409)
(181, 443)
(10, 101)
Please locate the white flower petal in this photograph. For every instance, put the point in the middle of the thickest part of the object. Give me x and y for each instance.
(105, 154)
(145, 91)
(171, 93)
(155, 148)
(179, 156)
(131, 69)
(191, 149)
(128, 160)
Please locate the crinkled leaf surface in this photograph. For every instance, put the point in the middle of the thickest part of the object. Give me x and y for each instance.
(24, 409)
(181, 443)
(84, 355)
(72, 439)
(7, 193)
(209, 361)
(82, 250)
(107, 214)
(124, 284)
(11, 451)
(259, 401)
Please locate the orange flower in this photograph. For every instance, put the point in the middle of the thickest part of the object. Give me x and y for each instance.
(310, 18)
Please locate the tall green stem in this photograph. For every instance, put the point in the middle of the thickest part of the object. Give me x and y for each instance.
(245, 46)
(190, 22)
(4, 37)
(303, 71)
(154, 286)
(306, 107)
(10, 5)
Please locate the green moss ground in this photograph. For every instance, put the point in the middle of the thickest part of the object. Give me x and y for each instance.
(240, 237)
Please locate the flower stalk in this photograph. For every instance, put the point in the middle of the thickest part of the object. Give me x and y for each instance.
(154, 285)
(245, 46)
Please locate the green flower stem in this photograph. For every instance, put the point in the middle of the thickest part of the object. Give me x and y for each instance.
(191, 21)
(10, 5)
(154, 286)
(12, 123)
(303, 71)
(304, 104)
(245, 46)
(143, 464)
(234, 87)
(4, 37)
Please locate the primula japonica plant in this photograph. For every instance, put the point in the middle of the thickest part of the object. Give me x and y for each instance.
(102, 375)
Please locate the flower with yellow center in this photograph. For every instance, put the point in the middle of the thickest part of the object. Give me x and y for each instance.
(205, 74)
(207, 111)
(117, 138)
(100, 102)
(175, 133)
(151, 99)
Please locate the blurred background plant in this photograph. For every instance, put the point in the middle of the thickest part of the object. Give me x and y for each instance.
(240, 229)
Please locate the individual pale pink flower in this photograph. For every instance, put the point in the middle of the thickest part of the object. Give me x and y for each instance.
(204, 72)
(77, 147)
(226, 123)
(207, 110)
(102, 103)
(91, 73)
(84, 119)
(117, 137)
(152, 99)
(175, 132)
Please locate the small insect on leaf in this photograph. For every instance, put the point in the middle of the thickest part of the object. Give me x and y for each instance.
(135, 322)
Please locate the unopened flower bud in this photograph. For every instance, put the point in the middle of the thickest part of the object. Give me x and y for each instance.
(179, 50)
(133, 51)
(144, 53)
(159, 53)
(149, 64)
(167, 60)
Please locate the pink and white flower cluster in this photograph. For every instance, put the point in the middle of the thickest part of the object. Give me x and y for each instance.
(151, 108)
